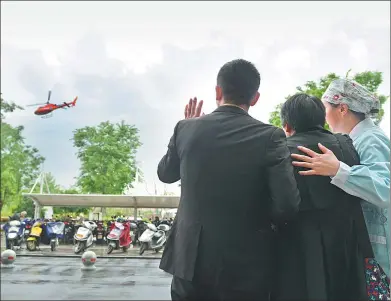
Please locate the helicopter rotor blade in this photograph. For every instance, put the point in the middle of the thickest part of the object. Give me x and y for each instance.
(37, 104)
(49, 94)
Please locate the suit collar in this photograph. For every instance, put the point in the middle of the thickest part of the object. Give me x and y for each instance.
(231, 109)
(315, 128)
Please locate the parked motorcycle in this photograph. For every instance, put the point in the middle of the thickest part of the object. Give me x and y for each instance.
(133, 230)
(15, 233)
(84, 237)
(28, 224)
(47, 233)
(69, 232)
(153, 238)
(119, 237)
(100, 233)
(141, 227)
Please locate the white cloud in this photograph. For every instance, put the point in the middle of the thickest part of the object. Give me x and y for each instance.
(294, 58)
(129, 60)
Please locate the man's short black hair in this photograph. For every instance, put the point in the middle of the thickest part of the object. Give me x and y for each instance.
(239, 81)
(303, 112)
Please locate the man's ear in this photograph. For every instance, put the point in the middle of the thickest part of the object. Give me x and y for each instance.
(288, 130)
(255, 100)
(219, 94)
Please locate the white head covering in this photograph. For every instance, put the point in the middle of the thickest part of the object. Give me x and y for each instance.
(355, 96)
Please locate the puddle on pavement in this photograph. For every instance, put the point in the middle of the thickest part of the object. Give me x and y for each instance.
(129, 283)
(30, 281)
(67, 272)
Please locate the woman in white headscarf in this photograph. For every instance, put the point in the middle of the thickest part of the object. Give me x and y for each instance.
(349, 107)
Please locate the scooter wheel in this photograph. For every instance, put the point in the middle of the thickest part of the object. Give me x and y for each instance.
(31, 245)
(143, 248)
(157, 250)
(11, 245)
(125, 249)
(78, 248)
(52, 246)
(109, 249)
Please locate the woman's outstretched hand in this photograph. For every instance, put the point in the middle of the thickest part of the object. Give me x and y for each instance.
(325, 164)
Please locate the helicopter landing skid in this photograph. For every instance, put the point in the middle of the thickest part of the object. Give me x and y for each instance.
(47, 116)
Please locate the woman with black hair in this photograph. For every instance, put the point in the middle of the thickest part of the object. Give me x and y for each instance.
(321, 252)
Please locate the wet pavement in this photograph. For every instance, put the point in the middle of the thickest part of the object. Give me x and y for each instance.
(100, 251)
(54, 278)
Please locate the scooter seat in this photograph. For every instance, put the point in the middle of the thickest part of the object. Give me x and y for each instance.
(158, 235)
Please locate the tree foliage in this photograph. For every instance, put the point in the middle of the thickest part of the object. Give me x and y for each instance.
(107, 154)
(19, 162)
(27, 204)
(369, 79)
(70, 210)
(7, 107)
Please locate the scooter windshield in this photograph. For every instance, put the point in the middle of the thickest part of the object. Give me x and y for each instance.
(55, 227)
(115, 232)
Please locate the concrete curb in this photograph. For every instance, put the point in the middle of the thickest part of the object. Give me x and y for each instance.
(79, 256)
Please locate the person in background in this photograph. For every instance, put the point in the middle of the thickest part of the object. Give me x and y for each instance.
(321, 254)
(19, 216)
(80, 219)
(349, 107)
(156, 222)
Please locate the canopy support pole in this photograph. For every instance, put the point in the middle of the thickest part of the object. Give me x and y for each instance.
(135, 214)
(37, 211)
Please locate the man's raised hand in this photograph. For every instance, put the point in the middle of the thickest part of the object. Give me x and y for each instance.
(192, 110)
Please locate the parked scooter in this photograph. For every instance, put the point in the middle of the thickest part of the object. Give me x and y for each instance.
(69, 232)
(15, 233)
(133, 231)
(100, 233)
(153, 238)
(141, 227)
(47, 233)
(84, 237)
(28, 224)
(119, 236)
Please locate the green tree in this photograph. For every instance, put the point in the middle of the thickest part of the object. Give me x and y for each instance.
(19, 162)
(107, 154)
(70, 210)
(52, 186)
(369, 79)
(7, 107)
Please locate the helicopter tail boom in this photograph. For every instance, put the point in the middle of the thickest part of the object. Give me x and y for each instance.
(74, 102)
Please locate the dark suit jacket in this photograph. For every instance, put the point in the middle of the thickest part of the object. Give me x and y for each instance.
(236, 177)
(321, 253)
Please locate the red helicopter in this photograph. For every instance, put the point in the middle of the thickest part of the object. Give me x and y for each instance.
(47, 108)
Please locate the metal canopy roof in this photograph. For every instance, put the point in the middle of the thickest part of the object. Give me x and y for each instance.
(105, 200)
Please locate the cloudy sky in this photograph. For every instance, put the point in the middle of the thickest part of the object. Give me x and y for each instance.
(141, 62)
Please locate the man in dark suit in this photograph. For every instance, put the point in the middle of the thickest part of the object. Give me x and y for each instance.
(236, 180)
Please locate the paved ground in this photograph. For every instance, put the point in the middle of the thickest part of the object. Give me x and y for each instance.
(49, 278)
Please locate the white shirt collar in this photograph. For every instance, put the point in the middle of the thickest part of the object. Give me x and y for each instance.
(361, 127)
